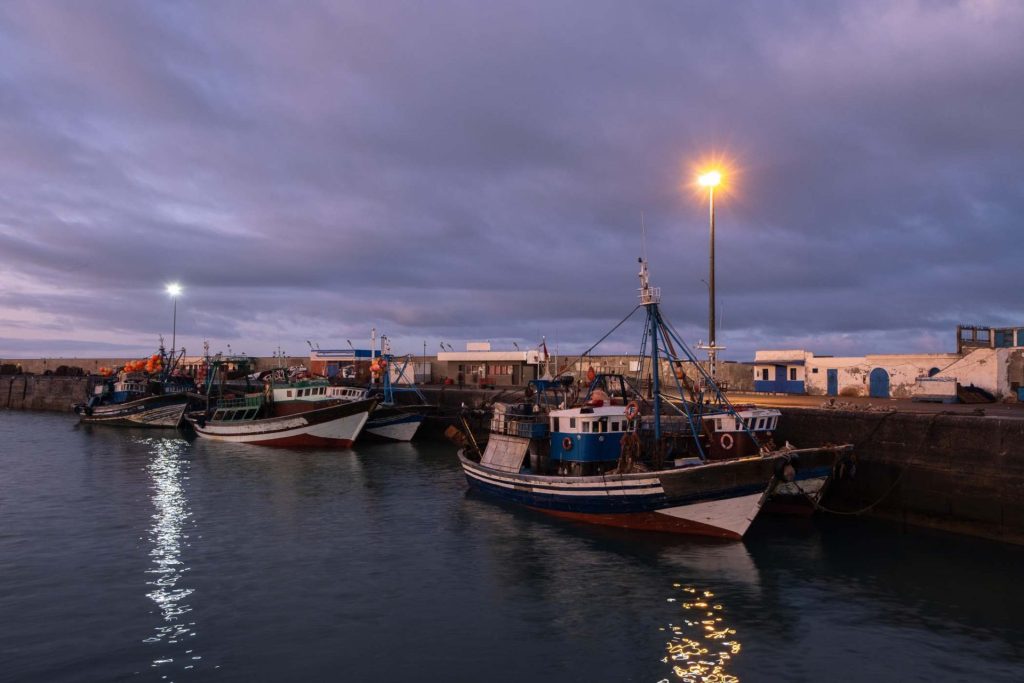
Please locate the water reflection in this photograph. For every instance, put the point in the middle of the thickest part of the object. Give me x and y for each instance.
(168, 468)
(701, 648)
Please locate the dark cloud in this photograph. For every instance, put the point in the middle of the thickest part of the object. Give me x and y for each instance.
(461, 170)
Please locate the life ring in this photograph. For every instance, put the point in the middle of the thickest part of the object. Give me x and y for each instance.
(632, 410)
(567, 444)
(727, 441)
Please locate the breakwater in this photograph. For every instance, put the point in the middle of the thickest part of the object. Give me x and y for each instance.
(958, 473)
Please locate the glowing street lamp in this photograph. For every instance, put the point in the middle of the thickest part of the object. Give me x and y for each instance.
(174, 289)
(711, 179)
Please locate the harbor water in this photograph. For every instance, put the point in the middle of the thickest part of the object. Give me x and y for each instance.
(134, 555)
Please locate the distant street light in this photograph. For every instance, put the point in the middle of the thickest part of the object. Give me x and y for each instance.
(711, 180)
(174, 289)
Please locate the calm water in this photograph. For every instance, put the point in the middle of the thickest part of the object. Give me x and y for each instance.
(128, 555)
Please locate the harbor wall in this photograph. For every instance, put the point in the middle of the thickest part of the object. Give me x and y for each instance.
(959, 473)
(42, 392)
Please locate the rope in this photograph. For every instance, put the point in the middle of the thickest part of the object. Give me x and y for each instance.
(892, 487)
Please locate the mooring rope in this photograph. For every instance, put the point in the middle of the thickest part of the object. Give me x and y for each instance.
(892, 487)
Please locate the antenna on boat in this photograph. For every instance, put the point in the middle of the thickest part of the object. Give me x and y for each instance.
(643, 237)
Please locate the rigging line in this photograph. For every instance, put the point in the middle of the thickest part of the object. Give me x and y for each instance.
(595, 344)
(718, 392)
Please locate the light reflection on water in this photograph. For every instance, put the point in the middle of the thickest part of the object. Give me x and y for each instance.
(168, 468)
(703, 645)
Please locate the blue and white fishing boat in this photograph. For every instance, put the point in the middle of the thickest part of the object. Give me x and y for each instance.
(656, 460)
(149, 393)
(392, 419)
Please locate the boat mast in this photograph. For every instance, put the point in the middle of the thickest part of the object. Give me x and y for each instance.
(649, 298)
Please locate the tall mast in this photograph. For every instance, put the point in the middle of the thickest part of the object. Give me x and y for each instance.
(649, 298)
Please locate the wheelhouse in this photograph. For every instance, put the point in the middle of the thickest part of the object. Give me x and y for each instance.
(589, 434)
(238, 409)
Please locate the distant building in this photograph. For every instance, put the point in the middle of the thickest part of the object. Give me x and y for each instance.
(335, 362)
(988, 361)
(480, 365)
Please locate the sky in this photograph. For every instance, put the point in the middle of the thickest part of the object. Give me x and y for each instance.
(456, 171)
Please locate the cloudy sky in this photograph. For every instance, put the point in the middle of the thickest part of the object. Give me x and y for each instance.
(478, 170)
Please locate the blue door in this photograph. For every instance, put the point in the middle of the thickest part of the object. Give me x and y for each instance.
(879, 383)
(780, 378)
(833, 382)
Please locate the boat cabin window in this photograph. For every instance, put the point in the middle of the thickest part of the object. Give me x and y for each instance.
(586, 427)
(760, 423)
(572, 423)
(615, 426)
(289, 393)
(554, 425)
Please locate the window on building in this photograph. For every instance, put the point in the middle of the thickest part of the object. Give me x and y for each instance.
(764, 374)
(792, 374)
(814, 371)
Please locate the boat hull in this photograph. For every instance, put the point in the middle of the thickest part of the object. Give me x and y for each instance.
(799, 497)
(163, 411)
(335, 426)
(393, 424)
(719, 499)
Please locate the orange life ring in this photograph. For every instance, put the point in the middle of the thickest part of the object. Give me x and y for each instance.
(567, 444)
(632, 410)
(727, 441)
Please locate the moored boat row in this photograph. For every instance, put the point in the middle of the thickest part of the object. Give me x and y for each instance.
(639, 452)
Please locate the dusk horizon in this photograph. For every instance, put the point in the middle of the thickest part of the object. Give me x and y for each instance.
(466, 172)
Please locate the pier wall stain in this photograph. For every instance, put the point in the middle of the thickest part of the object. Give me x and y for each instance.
(954, 472)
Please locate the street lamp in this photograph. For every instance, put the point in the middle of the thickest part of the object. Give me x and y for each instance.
(174, 289)
(711, 180)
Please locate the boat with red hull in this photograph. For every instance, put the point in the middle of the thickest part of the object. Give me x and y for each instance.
(622, 457)
(335, 425)
(289, 412)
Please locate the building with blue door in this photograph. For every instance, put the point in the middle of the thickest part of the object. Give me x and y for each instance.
(780, 372)
(988, 359)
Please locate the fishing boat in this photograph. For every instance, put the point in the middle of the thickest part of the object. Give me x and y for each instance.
(391, 420)
(143, 393)
(290, 411)
(682, 461)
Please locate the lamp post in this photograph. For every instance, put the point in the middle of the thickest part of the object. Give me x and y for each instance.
(174, 289)
(711, 180)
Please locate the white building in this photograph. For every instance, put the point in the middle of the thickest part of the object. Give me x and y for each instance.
(479, 365)
(988, 359)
